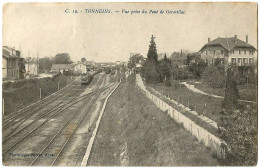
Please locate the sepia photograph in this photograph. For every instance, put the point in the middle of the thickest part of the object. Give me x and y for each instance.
(130, 84)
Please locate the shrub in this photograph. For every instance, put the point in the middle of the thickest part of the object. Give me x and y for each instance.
(212, 77)
(167, 82)
(151, 73)
(240, 134)
(231, 97)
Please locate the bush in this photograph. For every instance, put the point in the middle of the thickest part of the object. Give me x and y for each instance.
(167, 82)
(230, 101)
(192, 107)
(240, 134)
(239, 76)
(212, 77)
(151, 73)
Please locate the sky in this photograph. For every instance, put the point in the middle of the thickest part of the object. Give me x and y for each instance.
(46, 29)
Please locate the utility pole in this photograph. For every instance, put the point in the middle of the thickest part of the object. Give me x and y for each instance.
(40, 93)
(28, 71)
(37, 63)
(3, 106)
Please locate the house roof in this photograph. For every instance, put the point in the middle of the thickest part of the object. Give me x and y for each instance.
(228, 43)
(8, 55)
(61, 66)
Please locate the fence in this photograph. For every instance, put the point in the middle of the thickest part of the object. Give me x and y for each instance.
(208, 139)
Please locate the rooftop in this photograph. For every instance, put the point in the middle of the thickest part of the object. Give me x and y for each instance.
(229, 43)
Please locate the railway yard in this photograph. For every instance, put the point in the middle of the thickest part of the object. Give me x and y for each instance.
(107, 122)
(56, 130)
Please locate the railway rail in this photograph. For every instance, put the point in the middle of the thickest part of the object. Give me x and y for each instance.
(39, 104)
(56, 109)
(76, 116)
(69, 116)
(18, 119)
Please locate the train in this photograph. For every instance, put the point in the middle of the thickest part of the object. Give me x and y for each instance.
(87, 78)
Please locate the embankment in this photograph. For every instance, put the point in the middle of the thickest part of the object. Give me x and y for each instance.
(22, 93)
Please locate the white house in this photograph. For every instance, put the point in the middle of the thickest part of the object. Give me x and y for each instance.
(230, 50)
(80, 68)
(31, 68)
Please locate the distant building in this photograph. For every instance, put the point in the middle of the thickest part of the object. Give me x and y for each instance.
(12, 64)
(80, 68)
(31, 67)
(231, 51)
(62, 68)
(178, 59)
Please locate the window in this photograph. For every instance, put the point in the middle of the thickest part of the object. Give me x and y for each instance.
(251, 60)
(233, 60)
(13, 73)
(239, 51)
(13, 63)
(214, 52)
(244, 60)
(206, 52)
(245, 52)
(239, 60)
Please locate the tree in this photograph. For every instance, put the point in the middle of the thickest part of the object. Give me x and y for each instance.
(150, 69)
(239, 131)
(230, 102)
(165, 65)
(214, 77)
(63, 58)
(152, 52)
(150, 73)
(195, 64)
(83, 60)
(45, 64)
(136, 58)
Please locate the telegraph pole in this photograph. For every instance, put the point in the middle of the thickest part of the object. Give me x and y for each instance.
(37, 63)
(28, 71)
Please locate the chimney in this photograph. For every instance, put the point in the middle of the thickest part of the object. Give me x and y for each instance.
(208, 40)
(246, 38)
(235, 39)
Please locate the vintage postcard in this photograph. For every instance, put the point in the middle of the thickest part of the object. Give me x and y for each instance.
(129, 84)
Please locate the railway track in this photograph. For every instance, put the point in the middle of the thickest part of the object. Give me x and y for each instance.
(48, 105)
(20, 135)
(59, 137)
(72, 123)
(7, 134)
(53, 113)
(17, 120)
(38, 105)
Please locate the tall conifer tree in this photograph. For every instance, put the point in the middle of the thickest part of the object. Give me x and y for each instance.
(230, 101)
(152, 52)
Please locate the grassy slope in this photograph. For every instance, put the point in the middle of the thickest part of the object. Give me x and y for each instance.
(144, 136)
(22, 93)
(184, 96)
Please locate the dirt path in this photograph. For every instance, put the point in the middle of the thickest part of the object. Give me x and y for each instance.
(192, 88)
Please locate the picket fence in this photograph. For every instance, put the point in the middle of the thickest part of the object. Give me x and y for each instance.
(208, 139)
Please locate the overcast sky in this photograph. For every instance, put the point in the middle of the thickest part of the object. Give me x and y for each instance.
(48, 29)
